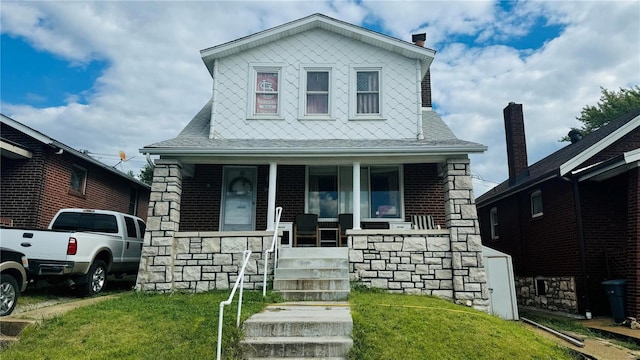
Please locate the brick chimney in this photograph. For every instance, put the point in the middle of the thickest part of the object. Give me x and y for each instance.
(516, 142)
(419, 40)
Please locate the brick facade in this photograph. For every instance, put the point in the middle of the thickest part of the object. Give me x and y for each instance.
(33, 190)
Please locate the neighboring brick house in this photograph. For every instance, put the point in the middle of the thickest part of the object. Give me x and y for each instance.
(314, 116)
(40, 176)
(569, 221)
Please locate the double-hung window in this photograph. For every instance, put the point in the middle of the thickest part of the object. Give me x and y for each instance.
(536, 204)
(366, 93)
(265, 92)
(316, 92)
(330, 191)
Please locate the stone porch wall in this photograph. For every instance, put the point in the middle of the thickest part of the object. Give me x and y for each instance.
(560, 294)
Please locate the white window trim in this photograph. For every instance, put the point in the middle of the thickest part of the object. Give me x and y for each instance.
(493, 214)
(533, 195)
(254, 68)
(302, 103)
(353, 71)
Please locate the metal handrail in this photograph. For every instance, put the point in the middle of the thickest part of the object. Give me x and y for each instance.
(246, 255)
(273, 249)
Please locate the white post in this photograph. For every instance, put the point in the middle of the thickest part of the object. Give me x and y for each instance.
(271, 200)
(356, 196)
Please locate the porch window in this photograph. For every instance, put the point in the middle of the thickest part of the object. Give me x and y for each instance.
(536, 204)
(330, 191)
(493, 214)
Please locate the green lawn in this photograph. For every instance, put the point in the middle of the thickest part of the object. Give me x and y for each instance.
(184, 326)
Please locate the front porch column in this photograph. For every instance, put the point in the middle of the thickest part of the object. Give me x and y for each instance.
(356, 196)
(271, 200)
(469, 276)
(163, 220)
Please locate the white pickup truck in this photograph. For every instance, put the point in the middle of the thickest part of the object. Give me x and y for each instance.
(81, 246)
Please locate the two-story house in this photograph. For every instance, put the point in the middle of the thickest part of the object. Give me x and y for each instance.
(320, 117)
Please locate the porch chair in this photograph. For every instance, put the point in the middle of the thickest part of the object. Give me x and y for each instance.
(306, 227)
(345, 221)
(422, 222)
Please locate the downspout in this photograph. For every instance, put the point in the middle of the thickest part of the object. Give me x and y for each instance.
(212, 123)
(581, 243)
(420, 135)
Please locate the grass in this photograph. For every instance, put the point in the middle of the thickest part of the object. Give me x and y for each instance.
(388, 326)
(139, 326)
(184, 325)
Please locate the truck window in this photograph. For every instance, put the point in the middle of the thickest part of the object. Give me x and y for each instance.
(75, 221)
(142, 227)
(131, 227)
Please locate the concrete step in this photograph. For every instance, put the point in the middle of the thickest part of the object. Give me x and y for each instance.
(311, 284)
(293, 347)
(314, 295)
(300, 320)
(316, 252)
(6, 341)
(313, 263)
(307, 273)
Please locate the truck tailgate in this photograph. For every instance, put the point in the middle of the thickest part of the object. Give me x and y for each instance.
(37, 244)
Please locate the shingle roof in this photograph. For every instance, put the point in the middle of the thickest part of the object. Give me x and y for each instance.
(550, 165)
(194, 138)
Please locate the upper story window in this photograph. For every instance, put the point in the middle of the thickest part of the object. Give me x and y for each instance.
(265, 91)
(317, 99)
(316, 92)
(78, 180)
(493, 214)
(536, 204)
(366, 93)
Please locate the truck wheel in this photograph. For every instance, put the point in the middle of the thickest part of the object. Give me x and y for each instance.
(95, 280)
(8, 294)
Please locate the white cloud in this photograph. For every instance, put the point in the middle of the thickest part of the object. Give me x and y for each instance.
(155, 80)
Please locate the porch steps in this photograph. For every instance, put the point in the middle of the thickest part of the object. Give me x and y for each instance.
(299, 330)
(313, 274)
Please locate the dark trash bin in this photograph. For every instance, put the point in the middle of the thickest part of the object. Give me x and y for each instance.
(615, 290)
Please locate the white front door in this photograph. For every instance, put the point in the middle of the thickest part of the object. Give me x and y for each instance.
(238, 206)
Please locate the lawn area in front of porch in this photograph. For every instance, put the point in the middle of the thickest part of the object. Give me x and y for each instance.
(184, 325)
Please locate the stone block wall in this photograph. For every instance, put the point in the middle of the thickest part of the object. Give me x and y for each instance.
(560, 294)
(408, 264)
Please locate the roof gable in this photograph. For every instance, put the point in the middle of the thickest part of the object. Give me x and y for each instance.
(314, 21)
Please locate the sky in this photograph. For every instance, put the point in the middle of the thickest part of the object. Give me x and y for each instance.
(106, 76)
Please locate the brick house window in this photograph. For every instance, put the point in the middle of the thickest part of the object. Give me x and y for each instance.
(493, 214)
(536, 204)
(78, 180)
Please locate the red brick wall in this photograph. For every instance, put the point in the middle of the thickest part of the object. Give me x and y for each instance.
(200, 206)
(33, 190)
(604, 218)
(424, 192)
(629, 142)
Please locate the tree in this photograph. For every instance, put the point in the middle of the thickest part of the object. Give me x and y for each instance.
(611, 105)
(146, 174)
